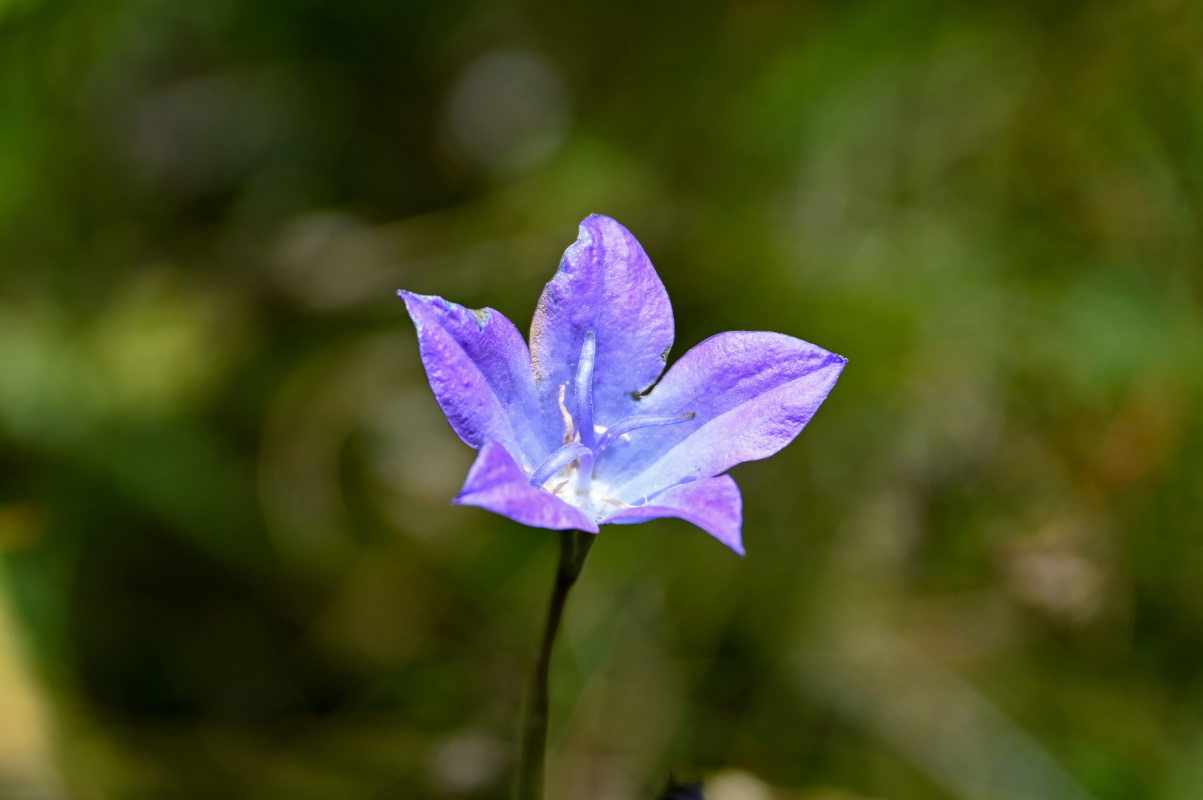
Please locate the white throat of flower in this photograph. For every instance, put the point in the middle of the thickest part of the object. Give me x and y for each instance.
(575, 487)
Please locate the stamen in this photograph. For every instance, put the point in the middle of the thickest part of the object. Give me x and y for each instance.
(568, 432)
(625, 426)
(584, 390)
(557, 461)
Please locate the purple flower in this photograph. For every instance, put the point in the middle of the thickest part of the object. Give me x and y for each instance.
(576, 432)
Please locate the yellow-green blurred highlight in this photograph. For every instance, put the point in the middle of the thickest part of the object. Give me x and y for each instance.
(229, 563)
(27, 769)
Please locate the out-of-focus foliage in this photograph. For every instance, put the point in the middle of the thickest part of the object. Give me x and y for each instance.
(229, 566)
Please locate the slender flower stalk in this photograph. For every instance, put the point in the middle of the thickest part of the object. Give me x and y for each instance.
(574, 547)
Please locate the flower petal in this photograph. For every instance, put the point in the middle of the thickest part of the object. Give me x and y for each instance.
(713, 504)
(496, 483)
(751, 392)
(605, 285)
(480, 371)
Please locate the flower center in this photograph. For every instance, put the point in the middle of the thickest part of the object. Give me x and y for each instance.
(575, 485)
(570, 471)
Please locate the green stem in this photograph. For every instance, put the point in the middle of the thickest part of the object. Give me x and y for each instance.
(574, 547)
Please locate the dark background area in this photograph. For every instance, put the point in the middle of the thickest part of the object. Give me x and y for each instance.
(228, 564)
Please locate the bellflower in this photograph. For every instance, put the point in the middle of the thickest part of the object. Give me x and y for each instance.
(581, 430)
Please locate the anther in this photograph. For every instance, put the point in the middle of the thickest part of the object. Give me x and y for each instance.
(568, 426)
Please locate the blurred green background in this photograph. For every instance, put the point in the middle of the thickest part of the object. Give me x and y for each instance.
(228, 565)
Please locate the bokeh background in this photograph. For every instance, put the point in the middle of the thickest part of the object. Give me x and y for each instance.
(228, 565)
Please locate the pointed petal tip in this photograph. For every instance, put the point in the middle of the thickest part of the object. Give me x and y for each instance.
(415, 305)
(838, 362)
(732, 540)
(602, 228)
(600, 222)
(414, 301)
(413, 297)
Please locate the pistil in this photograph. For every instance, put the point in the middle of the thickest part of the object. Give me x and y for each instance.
(584, 391)
(584, 410)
